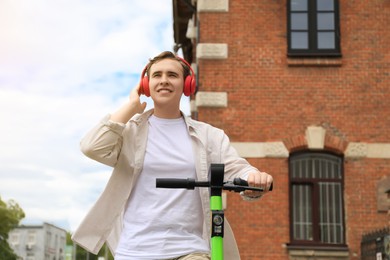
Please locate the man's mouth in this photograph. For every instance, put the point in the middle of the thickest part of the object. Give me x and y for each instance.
(164, 90)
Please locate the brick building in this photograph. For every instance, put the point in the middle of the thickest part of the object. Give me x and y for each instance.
(302, 88)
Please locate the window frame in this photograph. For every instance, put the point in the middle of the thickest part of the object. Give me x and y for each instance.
(312, 31)
(314, 184)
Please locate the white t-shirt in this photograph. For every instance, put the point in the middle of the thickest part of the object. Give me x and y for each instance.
(163, 223)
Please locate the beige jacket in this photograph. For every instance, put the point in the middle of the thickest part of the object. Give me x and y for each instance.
(123, 147)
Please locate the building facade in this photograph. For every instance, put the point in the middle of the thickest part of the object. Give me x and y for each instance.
(302, 88)
(38, 242)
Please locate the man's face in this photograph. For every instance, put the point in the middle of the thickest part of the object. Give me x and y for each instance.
(166, 82)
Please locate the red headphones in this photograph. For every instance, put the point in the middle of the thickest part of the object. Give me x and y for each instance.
(189, 82)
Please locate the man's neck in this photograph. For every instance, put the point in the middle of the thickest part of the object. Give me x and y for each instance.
(167, 114)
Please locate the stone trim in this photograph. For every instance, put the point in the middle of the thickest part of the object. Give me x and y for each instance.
(307, 254)
(261, 150)
(192, 30)
(281, 150)
(369, 150)
(356, 150)
(378, 150)
(193, 107)
(211, 99)
(216, 51)
(212, 5)
(315, 137)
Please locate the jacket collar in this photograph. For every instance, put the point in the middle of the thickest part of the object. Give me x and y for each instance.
(141, 119)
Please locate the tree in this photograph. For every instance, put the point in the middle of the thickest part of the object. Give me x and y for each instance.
(10, 216)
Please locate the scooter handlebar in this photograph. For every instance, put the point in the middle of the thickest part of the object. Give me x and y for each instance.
(241, 182)
(190, 184)
(173, 183)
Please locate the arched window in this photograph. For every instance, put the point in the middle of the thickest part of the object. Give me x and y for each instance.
(316, 199)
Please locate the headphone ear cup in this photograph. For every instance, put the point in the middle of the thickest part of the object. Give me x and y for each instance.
(144, 88)
(189, 86)
(193, 84)
(144, 84)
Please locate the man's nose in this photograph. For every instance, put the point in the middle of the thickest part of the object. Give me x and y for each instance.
(164, 78)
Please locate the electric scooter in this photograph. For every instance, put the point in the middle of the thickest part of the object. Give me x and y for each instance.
(216, 185)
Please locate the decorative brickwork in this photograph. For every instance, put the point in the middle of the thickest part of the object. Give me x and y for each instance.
(296, 143)
(335, 144)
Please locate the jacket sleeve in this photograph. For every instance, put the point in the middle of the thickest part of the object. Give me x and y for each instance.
(235, 166)
(103, 143)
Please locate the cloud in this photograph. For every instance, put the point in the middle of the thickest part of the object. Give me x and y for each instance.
(77, 40)
(63, 66)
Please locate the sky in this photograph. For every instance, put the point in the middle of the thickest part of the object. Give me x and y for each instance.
(64, 64)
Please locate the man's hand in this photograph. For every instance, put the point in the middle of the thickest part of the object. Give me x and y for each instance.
(130, 108)
(135, 100)
(261, 180)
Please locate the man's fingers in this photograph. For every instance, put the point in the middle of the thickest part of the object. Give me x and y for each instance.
(261, 180)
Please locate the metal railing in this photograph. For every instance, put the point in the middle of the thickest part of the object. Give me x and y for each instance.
(376, 245)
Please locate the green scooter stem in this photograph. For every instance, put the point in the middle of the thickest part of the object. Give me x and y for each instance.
(216, 175)
(216, 241)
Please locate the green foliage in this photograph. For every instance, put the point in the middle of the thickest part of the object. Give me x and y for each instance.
(6, 253)
(10, 216)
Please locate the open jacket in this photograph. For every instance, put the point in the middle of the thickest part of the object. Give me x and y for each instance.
(123, 146)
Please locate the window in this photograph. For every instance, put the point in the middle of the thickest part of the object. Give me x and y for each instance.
(31, 238)
(14, 239)
(313, 28)
(316, 199)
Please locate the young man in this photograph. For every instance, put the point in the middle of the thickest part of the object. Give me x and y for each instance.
(138, 220)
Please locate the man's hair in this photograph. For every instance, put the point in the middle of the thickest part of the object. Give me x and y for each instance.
(168, 55)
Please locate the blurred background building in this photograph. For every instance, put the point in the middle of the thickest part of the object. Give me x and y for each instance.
(38, 242)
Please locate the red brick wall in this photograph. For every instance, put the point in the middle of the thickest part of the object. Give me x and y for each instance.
(268, 100)
(261, 228)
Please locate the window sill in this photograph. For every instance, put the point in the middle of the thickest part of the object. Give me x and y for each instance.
(317, 252)
(314, 62)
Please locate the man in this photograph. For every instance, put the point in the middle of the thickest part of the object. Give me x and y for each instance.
(137, 220)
